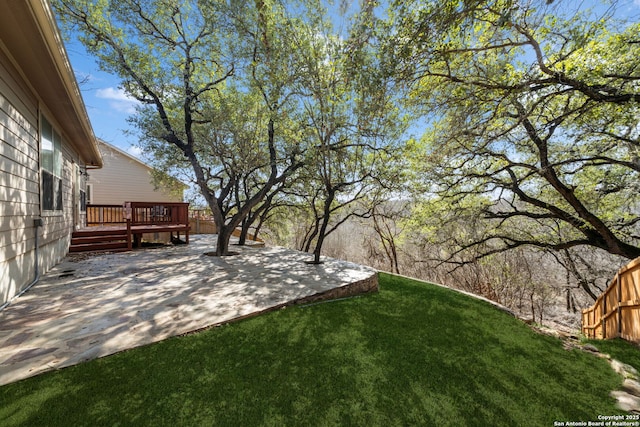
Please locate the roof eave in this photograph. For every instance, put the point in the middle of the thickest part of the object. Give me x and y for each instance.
(80, 132)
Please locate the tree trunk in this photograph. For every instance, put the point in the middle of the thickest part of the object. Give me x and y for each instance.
(222, 245)
(394, 252)
(243, 232)
(323, 228)
(310, 235)
(318, 249)
(259, 226)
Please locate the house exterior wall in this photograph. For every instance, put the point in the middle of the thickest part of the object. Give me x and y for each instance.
(19, 182)
(20, 202)
(22, 109)
(124, 179)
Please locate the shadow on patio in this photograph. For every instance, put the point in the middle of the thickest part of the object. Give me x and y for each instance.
(89, 307)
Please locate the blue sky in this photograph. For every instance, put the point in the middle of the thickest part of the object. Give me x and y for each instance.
(107, 105)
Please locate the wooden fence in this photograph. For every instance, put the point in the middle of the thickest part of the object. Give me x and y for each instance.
(202, 226)
(616, 313)
(201, 222)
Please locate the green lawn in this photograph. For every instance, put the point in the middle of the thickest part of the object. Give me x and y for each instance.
(619, 349)
(414, 354)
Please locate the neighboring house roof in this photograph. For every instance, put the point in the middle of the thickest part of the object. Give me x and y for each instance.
(29, 31)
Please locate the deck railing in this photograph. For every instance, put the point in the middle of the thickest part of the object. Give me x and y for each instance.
(616, 313)
(138, 218)
(154, 213)
(105, 215)
(140, 213)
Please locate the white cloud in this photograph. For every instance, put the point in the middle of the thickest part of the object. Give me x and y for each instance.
(118, 99)
(135, 151)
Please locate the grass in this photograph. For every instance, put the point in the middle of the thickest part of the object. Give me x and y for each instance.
(619, 349)
(413, 354)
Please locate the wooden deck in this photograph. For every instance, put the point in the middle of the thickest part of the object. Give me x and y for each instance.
(120, 227)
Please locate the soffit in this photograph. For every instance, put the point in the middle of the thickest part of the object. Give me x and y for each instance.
(28, 30)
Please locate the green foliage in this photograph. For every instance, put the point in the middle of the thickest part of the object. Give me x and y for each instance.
(351, 128)
(533, 114)
(245, 95)
(217, 82)
(414, 354)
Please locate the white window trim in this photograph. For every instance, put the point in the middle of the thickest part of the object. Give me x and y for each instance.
(41, 169)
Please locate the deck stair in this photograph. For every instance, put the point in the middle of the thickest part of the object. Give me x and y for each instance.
(98, 240)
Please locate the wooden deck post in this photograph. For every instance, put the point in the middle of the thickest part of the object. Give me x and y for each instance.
(129, 239)
(604, 316)
(619, 286)
(128, 214)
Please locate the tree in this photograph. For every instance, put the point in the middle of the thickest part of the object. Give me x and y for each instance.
(353, 130)
(387, 223)
(533, 122)
(180, 60)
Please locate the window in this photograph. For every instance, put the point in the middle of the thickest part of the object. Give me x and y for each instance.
(89, 196)
(51, 152)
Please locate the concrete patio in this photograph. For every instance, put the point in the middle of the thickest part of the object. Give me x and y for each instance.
(92, 306)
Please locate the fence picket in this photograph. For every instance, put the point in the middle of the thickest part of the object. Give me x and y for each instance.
(626, 311)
